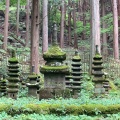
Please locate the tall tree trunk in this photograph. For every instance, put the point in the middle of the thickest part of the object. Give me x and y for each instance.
(104, 35)
(69, 23)
(84, 16)
(18, 11)
(27, 23)
(6, 25)
(62, 25)
(74, 22)
(45, 26)
(95, 29)
(119, 13)
(115, 34)
(35, 36)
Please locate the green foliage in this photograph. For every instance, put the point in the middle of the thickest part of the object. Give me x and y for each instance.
(108, 19)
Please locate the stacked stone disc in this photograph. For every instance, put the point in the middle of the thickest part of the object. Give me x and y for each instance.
(98, 79)
(33, 85)
(3, 86)
(76, 73)
(13, 79)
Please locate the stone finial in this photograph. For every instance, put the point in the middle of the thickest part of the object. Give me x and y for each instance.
(13, 53)
(97, 51)
(55, 34)
(33, 69)
(76, 53)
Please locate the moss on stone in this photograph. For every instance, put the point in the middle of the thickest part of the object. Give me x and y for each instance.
(46, 68)
(77, 57)
(33, 75)
(13, 59)
(97, 55)
(54, 52)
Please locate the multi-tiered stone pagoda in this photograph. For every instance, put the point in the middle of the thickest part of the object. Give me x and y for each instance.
(13, 79)
(97, 68)
(3, 86)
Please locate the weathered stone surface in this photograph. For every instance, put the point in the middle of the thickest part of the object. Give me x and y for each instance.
(99, 78)
(54, 70)
(13, 79)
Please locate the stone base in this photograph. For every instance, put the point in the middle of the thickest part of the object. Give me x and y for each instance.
(32, 92)
(12, 95)
(48, 93)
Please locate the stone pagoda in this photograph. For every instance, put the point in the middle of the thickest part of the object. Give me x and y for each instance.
(76, 73)
(97, 68)
(54, 70)
(33, 85)
(13, 79)
(3, 86)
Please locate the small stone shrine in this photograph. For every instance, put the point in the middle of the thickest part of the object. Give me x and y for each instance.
(33, 85)
(3, 86)
(98, 79)
(54, 70)
(13, 76)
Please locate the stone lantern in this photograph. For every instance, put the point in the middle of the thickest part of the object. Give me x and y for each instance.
(33, 85)
(54, 70)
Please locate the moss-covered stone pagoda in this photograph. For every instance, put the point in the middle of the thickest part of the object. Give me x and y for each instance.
(54, 70)
(13, 79)
(98, 73)
(3, 86)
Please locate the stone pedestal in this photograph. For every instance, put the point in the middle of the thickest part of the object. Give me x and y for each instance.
(54, 80)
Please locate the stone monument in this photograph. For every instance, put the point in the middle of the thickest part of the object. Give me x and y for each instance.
(99, 78)
(54, 70)
(13, 79)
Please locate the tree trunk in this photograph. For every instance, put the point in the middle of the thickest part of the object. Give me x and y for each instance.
(84, 16)
(95, 29)
(27, 23)
(115, 30)
(119, 13)
(35, 36)
(6, 25)
(104, 35)
(18, 11)
(45, 26)
(69, 23)
(74, 22)
(62, 25)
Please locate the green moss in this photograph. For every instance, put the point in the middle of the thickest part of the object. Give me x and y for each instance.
(77, 57)
(13, 59)
(61, 109)
(46, 68)
(33, 76)
(54, 52)
(97, 55)
(112, 85)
